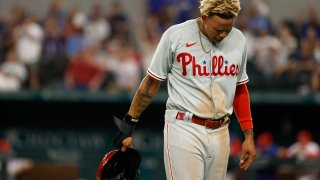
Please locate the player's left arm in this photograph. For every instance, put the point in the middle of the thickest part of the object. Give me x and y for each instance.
(241, 106)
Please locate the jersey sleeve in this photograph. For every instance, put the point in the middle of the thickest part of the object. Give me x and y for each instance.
(162, 59)
(241, 106)
(243, 76)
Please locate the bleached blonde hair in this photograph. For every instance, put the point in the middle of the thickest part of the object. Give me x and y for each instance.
(228, 8)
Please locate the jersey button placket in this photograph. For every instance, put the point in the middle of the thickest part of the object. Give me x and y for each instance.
(212, 77)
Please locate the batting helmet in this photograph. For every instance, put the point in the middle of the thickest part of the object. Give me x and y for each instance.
(118, 165)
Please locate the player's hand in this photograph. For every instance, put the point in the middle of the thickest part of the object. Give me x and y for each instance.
(248, 153)
(127, 143)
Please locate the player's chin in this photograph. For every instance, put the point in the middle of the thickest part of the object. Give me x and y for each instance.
(215, 41)
(219, 40)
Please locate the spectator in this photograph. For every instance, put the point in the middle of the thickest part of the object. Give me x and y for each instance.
(268, 151)
(54, 42)
(126, 69)
(266, 48)
(54, 57)
(119, 22)
(28, 44)
(13, 74)
(304, 150)
(56, 11)
(187, 9)
(289, 45)
(98, 29)
(263, 7)
(6, 151)
(266, 145)
(83, 73)
(310, 21)
(303, 64)
(7, 26)
(149, 36)
(74, 32)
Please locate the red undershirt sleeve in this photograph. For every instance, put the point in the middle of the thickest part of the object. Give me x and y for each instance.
(241, 106)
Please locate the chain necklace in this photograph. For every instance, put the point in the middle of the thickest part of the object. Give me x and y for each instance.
(198, 20)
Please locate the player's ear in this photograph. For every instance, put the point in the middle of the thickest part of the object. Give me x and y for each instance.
(204, 18)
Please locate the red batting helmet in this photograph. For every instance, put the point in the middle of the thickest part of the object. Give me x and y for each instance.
(118, 165)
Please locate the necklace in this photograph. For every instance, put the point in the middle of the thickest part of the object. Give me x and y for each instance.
(198, 20)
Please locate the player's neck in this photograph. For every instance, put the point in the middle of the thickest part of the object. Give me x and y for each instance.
(201, 27)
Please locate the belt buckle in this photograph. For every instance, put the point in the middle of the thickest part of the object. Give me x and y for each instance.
(226, 121)
(205, 123)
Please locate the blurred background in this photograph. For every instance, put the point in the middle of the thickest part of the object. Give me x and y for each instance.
(66, 67)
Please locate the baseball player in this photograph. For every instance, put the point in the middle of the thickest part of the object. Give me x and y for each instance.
(204, 63)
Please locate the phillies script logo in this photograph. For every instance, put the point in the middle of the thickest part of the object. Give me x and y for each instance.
(219, 66)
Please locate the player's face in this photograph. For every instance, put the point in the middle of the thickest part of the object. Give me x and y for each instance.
(217, 28)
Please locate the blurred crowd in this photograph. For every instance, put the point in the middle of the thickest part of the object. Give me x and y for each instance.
(298, 160)
(68, 49)
(283, 56)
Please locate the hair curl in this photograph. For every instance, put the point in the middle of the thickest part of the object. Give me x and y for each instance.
(226, 8)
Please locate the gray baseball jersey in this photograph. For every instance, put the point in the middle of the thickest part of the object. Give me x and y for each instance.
(201, 76)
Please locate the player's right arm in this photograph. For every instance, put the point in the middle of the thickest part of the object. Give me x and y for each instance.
(157, 72)
(147, 90)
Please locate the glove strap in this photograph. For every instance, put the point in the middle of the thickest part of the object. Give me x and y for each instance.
(126, 126)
